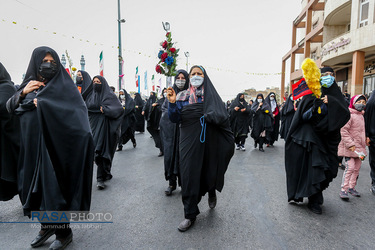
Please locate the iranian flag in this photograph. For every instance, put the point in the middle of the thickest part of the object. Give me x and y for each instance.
(136, 77)
(153, 83)
(101, 64)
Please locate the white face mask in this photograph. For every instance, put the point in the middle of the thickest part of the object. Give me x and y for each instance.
(165, 94)
(180, 83)
(196, 81)
(122, 97)
(260, 100)
(272, 98)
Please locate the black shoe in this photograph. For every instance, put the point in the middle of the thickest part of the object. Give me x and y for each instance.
(255, 145)
(212, 201)
(134, 144)
(315, 208)
(261, 149)
(42, 237)
(119, 149)
(186, 224)
(160, 154)
(169, 190)
(100, 185)
(59, 244)
(372, 189)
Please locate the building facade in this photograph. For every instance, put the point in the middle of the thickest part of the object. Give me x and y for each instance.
(349, 43)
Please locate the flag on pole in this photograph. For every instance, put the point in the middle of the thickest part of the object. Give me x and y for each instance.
(136, 76)
(139, 83)
(146, 80)
(159, 85)
(153, 83)
(101, 64)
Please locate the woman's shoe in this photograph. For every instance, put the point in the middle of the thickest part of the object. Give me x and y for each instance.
(261, 149)
(185, 225)
(169, 190)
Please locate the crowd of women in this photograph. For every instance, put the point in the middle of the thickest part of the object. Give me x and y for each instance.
(52, 131)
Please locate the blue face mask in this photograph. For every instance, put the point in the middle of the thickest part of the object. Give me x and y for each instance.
(291, 98)
(327, 81)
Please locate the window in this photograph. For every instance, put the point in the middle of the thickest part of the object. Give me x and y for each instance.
(363, 12)
(313, 55)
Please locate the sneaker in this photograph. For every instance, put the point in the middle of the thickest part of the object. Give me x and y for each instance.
(354, 192)
(100, 185)
(372, 189)
(242, 148)
(344, 195)
(237, 147)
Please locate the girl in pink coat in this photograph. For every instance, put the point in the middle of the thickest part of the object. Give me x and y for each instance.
(353, 146)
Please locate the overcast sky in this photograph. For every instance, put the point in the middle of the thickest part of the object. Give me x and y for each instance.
(229, 38)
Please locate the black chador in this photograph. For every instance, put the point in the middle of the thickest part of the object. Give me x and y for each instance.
(152, 113)
(9, 139)
(170, 135)
(140, 119)
(56, 150)
(370, 133)
(287, 113)
(83, 82)
(128, 120)
(262, 121)
(206, 144)
(105, 112)
(311, 160)
(239, 120)
(272, 136)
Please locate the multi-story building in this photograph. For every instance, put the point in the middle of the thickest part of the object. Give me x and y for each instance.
(252, 93)
(349, 43)
(339, 34)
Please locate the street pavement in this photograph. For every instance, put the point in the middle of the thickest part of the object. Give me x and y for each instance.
(252, 211)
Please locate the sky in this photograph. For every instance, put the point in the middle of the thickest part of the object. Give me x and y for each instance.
(237, 41)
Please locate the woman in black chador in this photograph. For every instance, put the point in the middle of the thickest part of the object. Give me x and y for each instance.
(273, 135)
(170, 135)
(9, 139)
(128, 119)
(152, 113)
(139, 118)
(370, 136)
(56, 151)
(239, 120)
(287, 114)
(311, 160)
(83, 81)
(262, 121)
(105, 112)
(206, 142)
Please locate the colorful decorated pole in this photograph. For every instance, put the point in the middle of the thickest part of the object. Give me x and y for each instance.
(101, 63)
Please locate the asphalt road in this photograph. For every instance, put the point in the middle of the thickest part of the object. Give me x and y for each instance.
(252, 211)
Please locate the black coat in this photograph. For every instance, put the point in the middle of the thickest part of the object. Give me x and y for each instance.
(9, 139)
(56, 156)
(140, 119)
(262, 118)
(86, 81)
(104, 126)
(128, 118)
(273, 135)
(239, 121)
(287, 113)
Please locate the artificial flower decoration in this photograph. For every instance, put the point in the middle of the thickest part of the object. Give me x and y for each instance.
(311, 73)
(167, 57)
(266, 111)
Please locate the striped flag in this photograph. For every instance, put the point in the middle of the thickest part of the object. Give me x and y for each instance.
(136, 77)
(101, 63)
(153, 82)
(159, 85)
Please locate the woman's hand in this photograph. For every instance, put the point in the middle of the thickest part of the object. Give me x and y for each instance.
(101, 109)
(236, 108)
(243, 110)
(35, 102)
(154, 104)
(325, 99)
(171, 95)
(368, 141)
(352, 148)
(143, 113)
(31, 86)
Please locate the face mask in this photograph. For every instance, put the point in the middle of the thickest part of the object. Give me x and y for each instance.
(79, 79)
(165, 94)
(48, 70)
(260, 100)
(97, 87)
(291, 98)
(242, 99)
(180, 83)
(272, 98)
(327, 81)
(359, 106)
(196, 81)
(122, 97)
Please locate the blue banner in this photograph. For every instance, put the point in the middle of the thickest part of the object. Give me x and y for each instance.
(146, 80)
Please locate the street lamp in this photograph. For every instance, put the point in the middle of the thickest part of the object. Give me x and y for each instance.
(82, 61)
(166, 26)
(63, 60)
(187, 54)
(120, 59)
